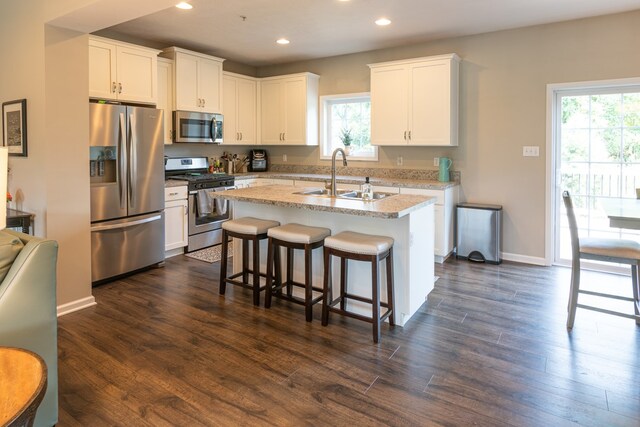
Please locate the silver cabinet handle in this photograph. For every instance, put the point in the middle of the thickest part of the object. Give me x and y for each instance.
(204, 102)
(119, 87)
(173, 194)
(240, 136)
(114, 87)
(409, 135)
(405, 135)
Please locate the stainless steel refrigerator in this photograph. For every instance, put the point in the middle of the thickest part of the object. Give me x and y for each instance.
(126, 166)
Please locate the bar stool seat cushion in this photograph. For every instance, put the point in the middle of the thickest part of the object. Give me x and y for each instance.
(249, 225)
(358, 243)
(298, 233)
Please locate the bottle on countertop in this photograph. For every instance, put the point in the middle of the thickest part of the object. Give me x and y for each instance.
(366, 190)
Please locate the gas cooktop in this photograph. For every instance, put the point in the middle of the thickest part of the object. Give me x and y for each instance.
(202, 177)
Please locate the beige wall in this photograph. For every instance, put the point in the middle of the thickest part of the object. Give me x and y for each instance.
(47, 182)
(502, 107)
(49, 67)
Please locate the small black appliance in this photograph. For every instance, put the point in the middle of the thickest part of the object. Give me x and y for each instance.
(258, 161)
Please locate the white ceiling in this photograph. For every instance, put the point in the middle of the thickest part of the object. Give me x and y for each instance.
(321, 28)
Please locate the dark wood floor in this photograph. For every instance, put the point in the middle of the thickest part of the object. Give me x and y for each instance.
(162, 348)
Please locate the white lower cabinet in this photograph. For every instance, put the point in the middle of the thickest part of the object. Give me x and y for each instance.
(444, 209)
(176, 211)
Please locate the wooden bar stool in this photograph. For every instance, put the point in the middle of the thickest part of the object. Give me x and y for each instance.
(293, 236)
(249, 230)
(350, 245)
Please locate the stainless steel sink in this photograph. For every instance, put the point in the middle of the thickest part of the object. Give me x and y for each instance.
(358, 195)
(341, 194)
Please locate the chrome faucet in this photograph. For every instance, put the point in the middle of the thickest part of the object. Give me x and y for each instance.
(333, 168)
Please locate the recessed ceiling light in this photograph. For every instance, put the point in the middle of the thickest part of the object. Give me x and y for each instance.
(282, 41)
(184, 5)
(382, 22)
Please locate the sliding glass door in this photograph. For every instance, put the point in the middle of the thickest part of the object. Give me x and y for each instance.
(597, 156)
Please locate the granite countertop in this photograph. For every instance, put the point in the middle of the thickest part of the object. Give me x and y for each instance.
(395, 206)
(343, 179)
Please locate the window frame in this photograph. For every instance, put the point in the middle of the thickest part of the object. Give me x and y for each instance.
(326, 101)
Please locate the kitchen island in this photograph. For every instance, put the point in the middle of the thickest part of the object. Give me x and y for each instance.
(408, 219)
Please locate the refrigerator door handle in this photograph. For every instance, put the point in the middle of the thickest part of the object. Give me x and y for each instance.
(98, 227)
(122, 155)
(133, 161)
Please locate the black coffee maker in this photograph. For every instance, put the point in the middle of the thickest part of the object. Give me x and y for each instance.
(258, 161)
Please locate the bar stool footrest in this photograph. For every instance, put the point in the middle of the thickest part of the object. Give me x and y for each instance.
(333, 309)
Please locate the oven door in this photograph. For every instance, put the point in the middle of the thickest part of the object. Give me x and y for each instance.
(197, 127)
(207, 213)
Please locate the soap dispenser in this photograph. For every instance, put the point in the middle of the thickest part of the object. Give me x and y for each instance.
(366, 190)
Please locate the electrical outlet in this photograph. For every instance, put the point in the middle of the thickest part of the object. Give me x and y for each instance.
(530, 151)
(399, 161)
(436, 161)
(284, 157)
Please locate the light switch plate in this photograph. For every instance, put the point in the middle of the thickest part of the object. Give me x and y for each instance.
(530, 151)
(284, 157)
(399, 161)
(436, 161)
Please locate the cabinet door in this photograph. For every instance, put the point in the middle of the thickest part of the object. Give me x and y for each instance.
(295, 111)
(246, 108)
(137, 72)
(430, 111)
(210, 85)
(186, 90)
(230, 110)
(271, 94)
(389, 105)
(102, 70)
(176, 224)
(165, 97)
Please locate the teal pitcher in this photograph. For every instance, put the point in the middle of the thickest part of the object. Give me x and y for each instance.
(445, 164)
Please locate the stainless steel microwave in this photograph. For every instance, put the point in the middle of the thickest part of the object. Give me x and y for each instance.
(204, 128)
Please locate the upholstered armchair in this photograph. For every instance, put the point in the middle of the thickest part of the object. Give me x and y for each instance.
(28, 307)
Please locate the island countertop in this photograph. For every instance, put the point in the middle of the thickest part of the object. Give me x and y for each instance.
(395, 206)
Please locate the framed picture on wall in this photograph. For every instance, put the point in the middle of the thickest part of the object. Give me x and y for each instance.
(14, 127)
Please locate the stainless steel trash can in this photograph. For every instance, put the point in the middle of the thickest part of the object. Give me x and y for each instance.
(479, 232)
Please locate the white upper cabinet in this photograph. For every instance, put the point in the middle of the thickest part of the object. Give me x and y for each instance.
(289, 109)
(415, 101)
(165, 96)
(198, 80)
(239, 109)
(121, 71)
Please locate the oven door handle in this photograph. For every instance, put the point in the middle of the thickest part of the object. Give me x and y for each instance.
(214, 190)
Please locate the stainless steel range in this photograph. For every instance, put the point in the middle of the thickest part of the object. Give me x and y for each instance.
(206, 212)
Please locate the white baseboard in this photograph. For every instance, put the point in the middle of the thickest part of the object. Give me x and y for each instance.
(76, 305)
(525, 259)
(173, 252)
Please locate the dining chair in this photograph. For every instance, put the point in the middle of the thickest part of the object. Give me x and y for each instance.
(620, 251)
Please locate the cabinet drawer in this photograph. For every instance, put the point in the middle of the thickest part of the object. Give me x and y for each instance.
(175, 193)
(438, 194)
